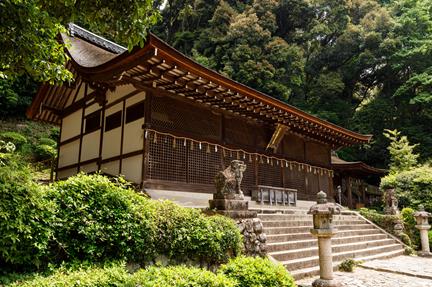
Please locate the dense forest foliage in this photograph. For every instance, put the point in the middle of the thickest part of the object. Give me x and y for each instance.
(362, 64)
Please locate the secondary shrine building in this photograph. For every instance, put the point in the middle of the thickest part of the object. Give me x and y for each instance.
(166, 122)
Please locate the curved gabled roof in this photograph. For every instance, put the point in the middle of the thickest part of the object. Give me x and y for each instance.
(157, 65)
(357, 167)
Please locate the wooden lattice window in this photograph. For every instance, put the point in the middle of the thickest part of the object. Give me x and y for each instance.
(167, 162)
(174, 115)
(269, 174)
(203, 164)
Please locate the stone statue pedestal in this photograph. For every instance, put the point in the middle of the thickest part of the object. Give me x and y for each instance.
(228, 202)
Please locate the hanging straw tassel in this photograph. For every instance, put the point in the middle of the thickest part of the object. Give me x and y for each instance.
(191, 145)
(174, 143)
(208, 148)
(155, 138)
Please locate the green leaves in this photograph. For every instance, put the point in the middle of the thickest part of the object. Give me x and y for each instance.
(257, 272)
(30, 30)
(402, 154)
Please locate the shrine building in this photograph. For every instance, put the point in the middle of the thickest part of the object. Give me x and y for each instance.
(166, 122)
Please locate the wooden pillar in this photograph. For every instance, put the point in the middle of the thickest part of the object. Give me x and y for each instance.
(349, 191)
(146, 145)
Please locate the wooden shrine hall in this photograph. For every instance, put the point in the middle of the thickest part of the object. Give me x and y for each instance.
(358, 183)
(167, 123)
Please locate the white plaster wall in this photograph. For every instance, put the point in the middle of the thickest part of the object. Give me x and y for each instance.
(133, 138)
(71, 125)
(91, 109)
(135, 99)
(81, 92)
(66, 173)
(119, 92)
(111, 168)
(68, 154)
(132, 168)
(112, 138)
(90, 146)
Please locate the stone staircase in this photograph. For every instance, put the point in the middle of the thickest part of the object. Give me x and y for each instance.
(291, 243)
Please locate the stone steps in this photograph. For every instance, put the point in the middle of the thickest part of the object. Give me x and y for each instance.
(313, 271)
(285, 255)
(304, 229)
(299, 244)
(311, 261)
(292, 223)
(308, 235)
(290, 242)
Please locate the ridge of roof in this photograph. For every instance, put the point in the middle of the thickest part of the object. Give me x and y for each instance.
(95, 39)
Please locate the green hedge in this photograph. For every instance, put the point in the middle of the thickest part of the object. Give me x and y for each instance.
(89, 217)
(387, 222)
(98, 220)
(413, 187)
(238, 272)
(257, 272)
(409, 224)
(25, 217)
(188, 234)
(180, 276)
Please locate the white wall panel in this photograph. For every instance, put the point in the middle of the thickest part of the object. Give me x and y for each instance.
(68, 154)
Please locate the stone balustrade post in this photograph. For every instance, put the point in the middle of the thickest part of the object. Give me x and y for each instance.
(423, 226)
(324, 230)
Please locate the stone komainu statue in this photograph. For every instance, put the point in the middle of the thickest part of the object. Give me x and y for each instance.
(229, 180)
(391, 202)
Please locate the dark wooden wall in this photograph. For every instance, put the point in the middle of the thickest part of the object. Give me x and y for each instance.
(186, 164)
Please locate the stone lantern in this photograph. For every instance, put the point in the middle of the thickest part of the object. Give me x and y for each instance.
(323, 229)
(422, 217)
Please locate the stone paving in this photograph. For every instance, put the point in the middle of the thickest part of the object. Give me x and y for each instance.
(408, 265)
(386, 276)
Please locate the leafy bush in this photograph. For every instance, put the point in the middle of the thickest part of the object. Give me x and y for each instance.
(386, 222)
(114, 275)
(186, 233)
(89, 217)
(413, 187)
(117, 275)
(430, 237)
(25, 216)
(98, 220)
(348, 265)
(409, 224)
(257, 272)
(180, 276)
(16, 138)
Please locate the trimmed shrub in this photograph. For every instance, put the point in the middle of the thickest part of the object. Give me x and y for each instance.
(25, 217)
(115, 275)
(413, 187)
(187, 234)
(385, 221)
(180, 276)
(409, 224)
(16, 138)
(257, 272)
(99, 220)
